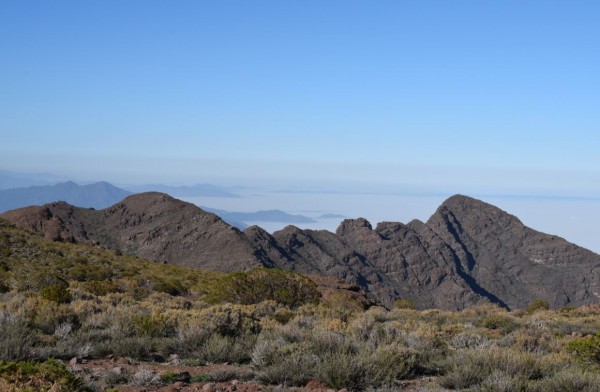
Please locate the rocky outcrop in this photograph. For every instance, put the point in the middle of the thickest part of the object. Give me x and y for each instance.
(468, 252)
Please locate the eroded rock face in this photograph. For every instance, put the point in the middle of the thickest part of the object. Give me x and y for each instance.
(512, 261)
(468, 252)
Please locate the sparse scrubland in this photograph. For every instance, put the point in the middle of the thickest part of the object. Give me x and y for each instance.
(61, 301)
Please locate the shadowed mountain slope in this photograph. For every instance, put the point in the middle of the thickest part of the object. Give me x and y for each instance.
(468, 252)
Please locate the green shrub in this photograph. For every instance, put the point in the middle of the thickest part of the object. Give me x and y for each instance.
(404, 303)
(200, 378)
(498, 322)
(152, 325)
(101, 287)
(4, 278)
(263, 284)
(57, 293)
(229, 320)
(537, 304)
(44, 376)
(586, 349)
(282, 316)
(168, 377)
(172, 287)
(85, 271)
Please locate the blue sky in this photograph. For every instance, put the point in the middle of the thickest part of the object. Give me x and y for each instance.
(181, 86)
(436, 96)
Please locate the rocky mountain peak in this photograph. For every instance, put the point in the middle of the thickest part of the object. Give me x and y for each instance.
(472, 212)
(352, 226)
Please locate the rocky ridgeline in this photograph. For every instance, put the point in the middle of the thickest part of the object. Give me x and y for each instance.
(468, 252)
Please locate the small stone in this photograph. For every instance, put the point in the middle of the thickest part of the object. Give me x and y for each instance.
(184, 377)
(179, 384)
(122, 361)
(235, 382)
(209, 387)
(74, 361)
(174, 359)
(314, 385)
(157, 357)
(117, 370)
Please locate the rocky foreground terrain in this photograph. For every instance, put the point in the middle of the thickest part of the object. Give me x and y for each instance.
(468, 252)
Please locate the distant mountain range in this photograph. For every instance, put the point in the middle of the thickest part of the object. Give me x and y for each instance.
(102, 194)
(9, 180)
(241, 219)
(197, 190)
(98, 195)
(468, 252)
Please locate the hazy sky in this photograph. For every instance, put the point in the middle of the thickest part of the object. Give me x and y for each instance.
(439, 96)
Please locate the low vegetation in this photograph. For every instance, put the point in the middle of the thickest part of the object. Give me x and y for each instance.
(61, 301)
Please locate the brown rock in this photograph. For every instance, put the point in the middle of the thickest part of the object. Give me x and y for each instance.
(209, 387)
(117, 370)
(74, 361)
(123, 361)
(314, 385)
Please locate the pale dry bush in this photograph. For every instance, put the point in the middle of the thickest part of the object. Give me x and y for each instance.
(361, 326)
(469, 340)
(570, 380)
(164, 301)
(63, 330)
(219, 349)
(230, 319)
(112, 377)
(16, 339)
(337, 358)
(507, 368)
(72, 346)
(144, 377)
(386, 334)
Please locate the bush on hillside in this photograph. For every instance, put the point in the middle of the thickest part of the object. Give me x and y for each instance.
(586, 348)
(56, 293)
(262, 284)
(537, 304)
(44, 376)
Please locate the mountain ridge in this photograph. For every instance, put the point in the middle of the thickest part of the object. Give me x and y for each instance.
(467, 252)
